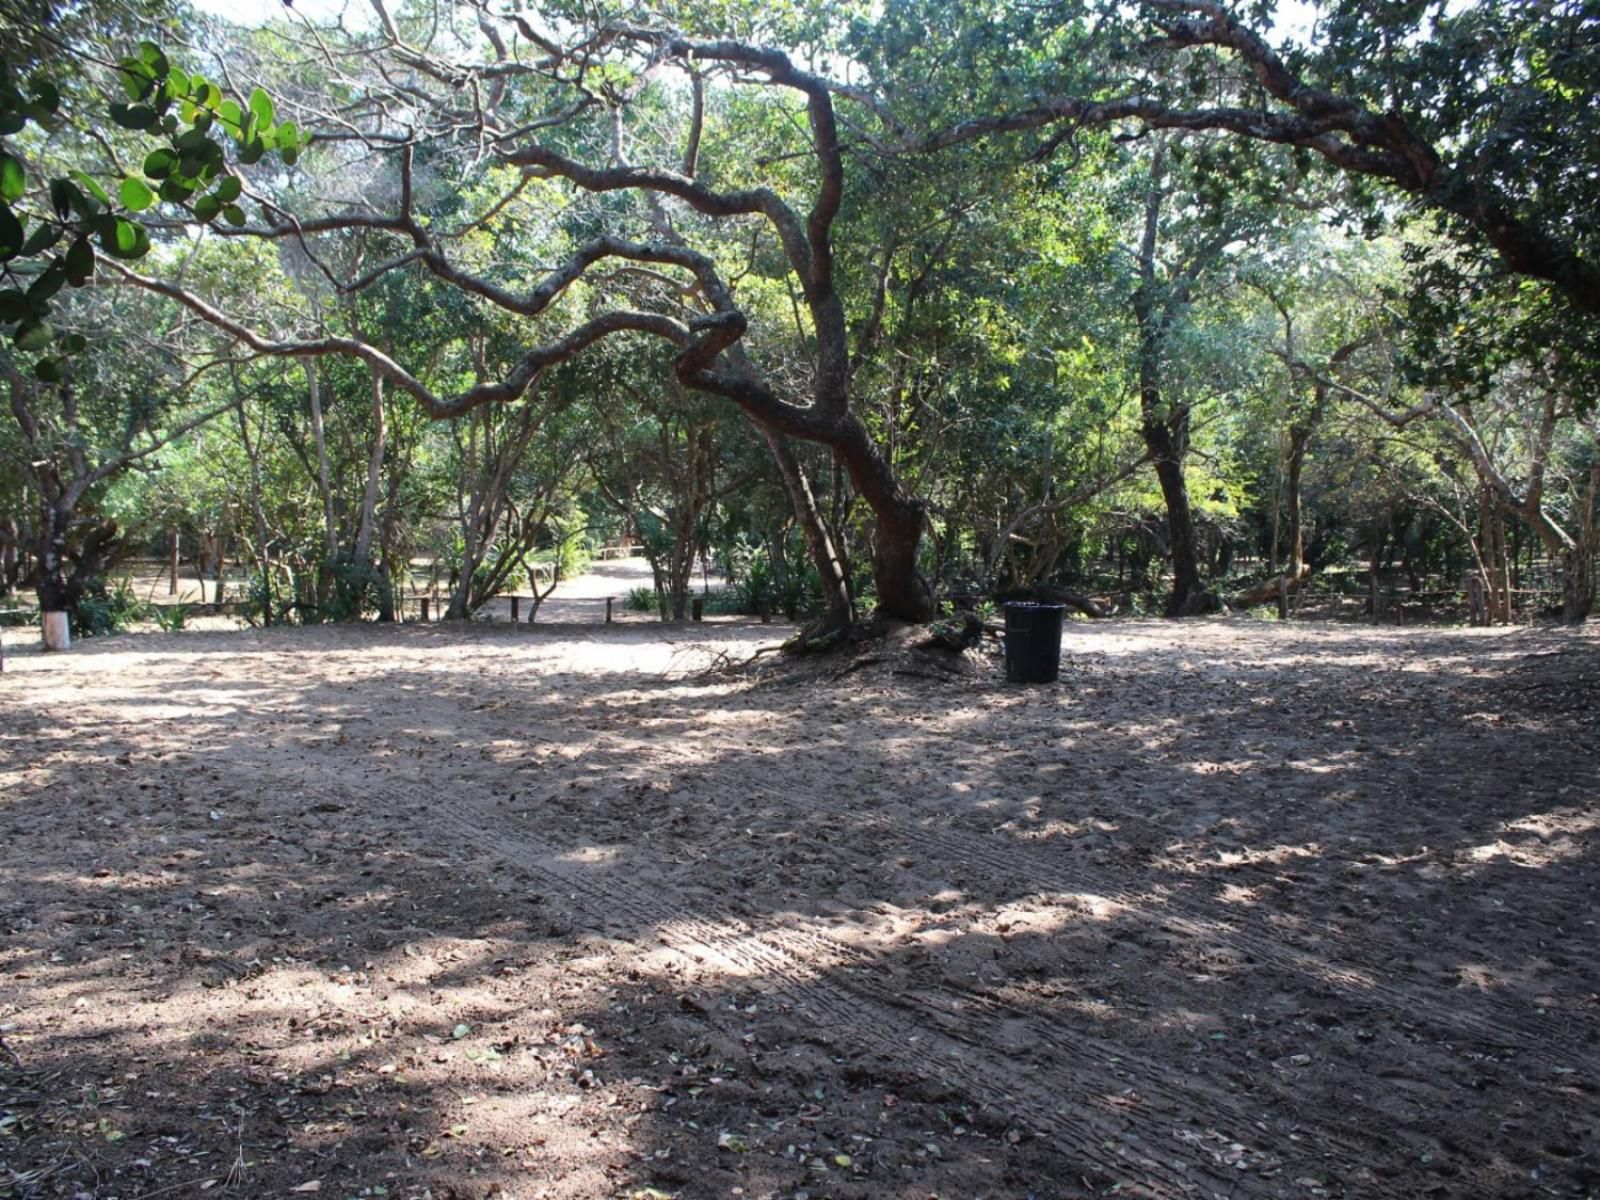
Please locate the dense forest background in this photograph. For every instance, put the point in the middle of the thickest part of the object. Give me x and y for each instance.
(1152, 307)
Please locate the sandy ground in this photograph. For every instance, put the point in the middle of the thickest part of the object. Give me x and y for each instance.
(1235, 909)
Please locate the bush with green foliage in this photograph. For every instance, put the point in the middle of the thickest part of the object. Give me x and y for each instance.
(105, 610)
(641, 599)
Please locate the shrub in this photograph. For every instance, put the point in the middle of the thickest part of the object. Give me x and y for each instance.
(171, 617)
(103, 611)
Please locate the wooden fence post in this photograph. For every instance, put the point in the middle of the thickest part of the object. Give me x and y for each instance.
(515, 601)
(608, 610)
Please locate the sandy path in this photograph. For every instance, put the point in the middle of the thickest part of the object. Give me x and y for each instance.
(1236, 909)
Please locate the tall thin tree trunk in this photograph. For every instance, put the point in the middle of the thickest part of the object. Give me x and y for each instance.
(252, 452)
(1578, 583)
(369, 498)
(330, 531)
(836, 607)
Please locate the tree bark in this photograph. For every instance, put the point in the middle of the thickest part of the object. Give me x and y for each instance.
(836, 607)
(902, 591)
(330, 531)
(1578, 566)
(369, 497)
(1165, 426)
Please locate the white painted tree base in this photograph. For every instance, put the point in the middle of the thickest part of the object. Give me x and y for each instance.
(57, 631)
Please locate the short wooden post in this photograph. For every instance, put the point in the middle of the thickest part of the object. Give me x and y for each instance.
(608, 610)
(425, 606)
(697, 609)
(766, 615)
(515, 601)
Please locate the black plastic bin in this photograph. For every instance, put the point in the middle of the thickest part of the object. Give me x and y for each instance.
(1033, 641)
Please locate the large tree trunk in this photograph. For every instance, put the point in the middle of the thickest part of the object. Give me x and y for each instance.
(1166, 427)
(902, 591)
(1189, 595)
(63, 576)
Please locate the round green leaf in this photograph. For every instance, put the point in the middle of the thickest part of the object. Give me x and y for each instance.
(45, 94)
(233, 214)
(228, 190)
(135, 195)
(50, 370)
(207, 207)
(261, 105)
(135, 116)
(136, 78)
(124, 239)
(158, 164)
(13, 179)
(33, 335)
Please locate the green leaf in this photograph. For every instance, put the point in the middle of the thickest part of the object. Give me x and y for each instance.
(50, 370)
(288, 135)
(45, 94)
(228, 190)
(261, 105)
(13, 179)
(135, 195)
(11, 235)
(95, 190)
(176, 191)
(13, 305)
(290, 155)
(80, 262)
(41, 239)
(12, 122)
(233, 214)
(158, 164)
(207, 207)
(231, 114)
(73, 343)
(33, 335)
(251, 151)
(139, 116)
(124, 239)
(61, 198)
(48, 284)
(137, 79)
(150, 54)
